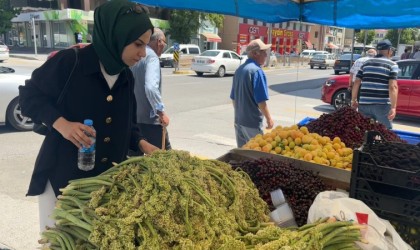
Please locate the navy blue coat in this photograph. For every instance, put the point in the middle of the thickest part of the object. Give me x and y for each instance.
(88, 97)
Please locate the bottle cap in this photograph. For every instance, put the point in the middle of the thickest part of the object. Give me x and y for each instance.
(88, 122)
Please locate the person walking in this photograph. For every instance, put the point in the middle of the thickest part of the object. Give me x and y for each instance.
(249, 94)
(377, 79)
(406, 54)
(357, 64)
(101, 88)
(151, 115)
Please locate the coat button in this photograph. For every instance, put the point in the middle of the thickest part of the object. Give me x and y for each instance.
(103, 160)
(108, 120)
(109, 98)
(107, 139)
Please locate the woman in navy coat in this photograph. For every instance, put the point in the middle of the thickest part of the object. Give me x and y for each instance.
(100, 88)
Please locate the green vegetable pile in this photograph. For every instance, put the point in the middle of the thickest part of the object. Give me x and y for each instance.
(326, 234)
(168, 200)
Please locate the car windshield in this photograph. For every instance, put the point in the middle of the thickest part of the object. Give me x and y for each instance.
(210, 53)
(348, 57)
(169, 51)
(320, 56)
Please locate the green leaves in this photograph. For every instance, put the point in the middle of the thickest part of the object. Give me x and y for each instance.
(185, 24)
(7, 12)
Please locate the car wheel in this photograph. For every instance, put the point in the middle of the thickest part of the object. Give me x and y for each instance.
(15, 118)
(221, 71)
(341, 99)
(199, 73)
(336, 72)
(312, 66)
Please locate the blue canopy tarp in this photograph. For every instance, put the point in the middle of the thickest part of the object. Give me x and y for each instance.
(358, 14)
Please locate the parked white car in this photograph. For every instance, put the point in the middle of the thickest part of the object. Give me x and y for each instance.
(167, 57)
(218, 62)
(273, 58)
(4, 52)
(10, 112)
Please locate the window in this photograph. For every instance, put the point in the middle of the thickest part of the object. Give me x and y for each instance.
(316, 34)
(406, 70)
(194, 51)
(226, 55)
(235, 56)
(294, 26)
(60, 35)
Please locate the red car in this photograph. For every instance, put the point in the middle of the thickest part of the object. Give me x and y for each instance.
(77, 45)
(334, 91)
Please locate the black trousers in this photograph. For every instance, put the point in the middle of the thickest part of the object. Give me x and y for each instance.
(153, 134)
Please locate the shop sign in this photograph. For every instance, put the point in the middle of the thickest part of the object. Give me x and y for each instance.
(282, 33)
(243, 38)
(253, 30)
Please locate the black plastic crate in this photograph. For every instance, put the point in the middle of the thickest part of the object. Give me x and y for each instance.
(365, 167)
(394, 194)
(400, 201)
(408, 230)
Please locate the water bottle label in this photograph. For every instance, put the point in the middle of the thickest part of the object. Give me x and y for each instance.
(89, 149)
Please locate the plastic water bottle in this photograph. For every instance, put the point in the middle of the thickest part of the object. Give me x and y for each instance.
(86, 156)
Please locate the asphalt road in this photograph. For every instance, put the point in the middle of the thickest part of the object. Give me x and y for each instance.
(201, 122)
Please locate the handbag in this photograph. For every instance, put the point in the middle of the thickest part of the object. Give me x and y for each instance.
(41, 128)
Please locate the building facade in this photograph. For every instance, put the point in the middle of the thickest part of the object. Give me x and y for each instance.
(287, 37)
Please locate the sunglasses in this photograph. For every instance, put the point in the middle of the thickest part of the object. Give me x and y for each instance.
(138, 8)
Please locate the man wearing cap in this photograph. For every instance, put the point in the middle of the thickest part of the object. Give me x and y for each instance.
(377, 79)
(249, 94)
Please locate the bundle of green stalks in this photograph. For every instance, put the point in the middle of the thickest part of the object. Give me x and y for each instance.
(325, 234)
(168, 200)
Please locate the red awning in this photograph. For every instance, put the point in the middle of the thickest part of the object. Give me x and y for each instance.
(211, 37)
(332, 46)
(309, 44)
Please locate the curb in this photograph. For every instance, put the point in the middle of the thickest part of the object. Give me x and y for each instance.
(24, 57)
(183, 72)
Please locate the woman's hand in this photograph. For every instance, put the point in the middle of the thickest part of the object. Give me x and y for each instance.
(74, 132)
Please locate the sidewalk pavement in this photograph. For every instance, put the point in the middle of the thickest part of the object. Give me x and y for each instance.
(29, 53)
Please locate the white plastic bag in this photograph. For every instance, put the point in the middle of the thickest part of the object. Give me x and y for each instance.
(380, 233)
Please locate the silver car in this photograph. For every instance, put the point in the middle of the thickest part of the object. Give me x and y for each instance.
(10, 112)
(4, 52)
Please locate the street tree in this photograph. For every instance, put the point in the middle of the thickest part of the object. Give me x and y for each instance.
(7, 12)
(407, 36)
(360, 36)
(185, 23)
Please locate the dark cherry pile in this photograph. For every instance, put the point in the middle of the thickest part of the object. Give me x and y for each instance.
(350, 126)
(300, 187)
(395, 155)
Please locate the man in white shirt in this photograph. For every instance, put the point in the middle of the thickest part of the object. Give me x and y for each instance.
(358, 64)
(151, 116)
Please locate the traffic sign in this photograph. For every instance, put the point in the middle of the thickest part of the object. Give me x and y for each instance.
(176, 46)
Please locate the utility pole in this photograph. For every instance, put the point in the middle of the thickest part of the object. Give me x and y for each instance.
(33, 28)
(399, 37)
(364, 43)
